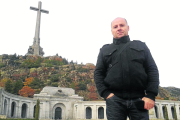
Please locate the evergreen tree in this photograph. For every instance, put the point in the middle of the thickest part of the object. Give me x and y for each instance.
(37, 110)
(9, 86)
(82, 85)
(175, 114)
(36, 83)
(166, 113)
(54, 78)
(17, 86)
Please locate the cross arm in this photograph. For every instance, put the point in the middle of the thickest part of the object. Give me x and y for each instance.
(36, 9)
(44, 11)
(33, 8)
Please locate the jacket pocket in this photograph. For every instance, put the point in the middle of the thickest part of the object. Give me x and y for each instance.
(109, 56)
(137, 54)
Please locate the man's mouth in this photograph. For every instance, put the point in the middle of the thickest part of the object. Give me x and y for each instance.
(120, 33)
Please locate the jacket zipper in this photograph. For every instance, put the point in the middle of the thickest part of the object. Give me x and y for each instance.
(122, 69)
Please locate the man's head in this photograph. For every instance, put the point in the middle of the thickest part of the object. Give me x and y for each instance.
(119, 27)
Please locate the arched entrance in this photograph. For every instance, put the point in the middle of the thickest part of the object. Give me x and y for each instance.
(172, 111)
(100, 113)
(58, 113)
(13, 109)
(88, 113)
(24, 111)
(5, 107)
(156, 111)
(34, 111)
(163, 109)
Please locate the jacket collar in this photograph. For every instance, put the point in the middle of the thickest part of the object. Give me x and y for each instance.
(123, 39)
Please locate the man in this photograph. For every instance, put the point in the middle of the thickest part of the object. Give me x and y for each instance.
(129, 80)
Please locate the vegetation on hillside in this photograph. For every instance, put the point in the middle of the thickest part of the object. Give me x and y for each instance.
(27, 75)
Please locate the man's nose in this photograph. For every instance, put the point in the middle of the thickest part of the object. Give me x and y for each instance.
(119, 27)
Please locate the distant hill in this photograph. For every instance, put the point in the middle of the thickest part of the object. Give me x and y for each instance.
(163, 93)
(34, 72)
(174, 93)
(169, 93)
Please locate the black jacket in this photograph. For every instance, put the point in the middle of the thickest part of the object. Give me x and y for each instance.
(135, 75)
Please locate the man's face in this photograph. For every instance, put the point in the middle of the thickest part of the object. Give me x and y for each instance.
(119, 28)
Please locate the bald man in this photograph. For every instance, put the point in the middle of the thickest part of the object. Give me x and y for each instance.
(127, 80)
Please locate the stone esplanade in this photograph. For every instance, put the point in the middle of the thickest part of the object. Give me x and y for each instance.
(63, 103)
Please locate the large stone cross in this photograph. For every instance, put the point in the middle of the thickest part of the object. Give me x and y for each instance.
(37, 50)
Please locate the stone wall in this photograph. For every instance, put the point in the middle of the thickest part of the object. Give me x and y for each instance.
(70, 106)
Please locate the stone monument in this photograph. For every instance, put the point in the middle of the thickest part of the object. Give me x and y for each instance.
(35, 49)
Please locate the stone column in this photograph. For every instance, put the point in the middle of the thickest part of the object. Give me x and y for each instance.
(75, 111)
(28, 110)
(41, 110)
(105, 116)
(1, 101)
(31, 109)
(16, 110)
(9, 108)
(161, 111)
(47, 109)
(94, 111)
(97, 106)
(177, 110)
(19, 109)
(2, 107)
(169, 111)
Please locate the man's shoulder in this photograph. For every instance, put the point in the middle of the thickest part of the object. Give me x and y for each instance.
(137, 44)
(106, 45)
(139, 41)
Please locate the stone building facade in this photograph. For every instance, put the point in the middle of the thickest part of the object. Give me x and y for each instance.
(63, 103)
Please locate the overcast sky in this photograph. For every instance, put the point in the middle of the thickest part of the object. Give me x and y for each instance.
(77, 29)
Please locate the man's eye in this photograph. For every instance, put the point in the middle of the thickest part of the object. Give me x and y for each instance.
(115, 26)
(121, 25)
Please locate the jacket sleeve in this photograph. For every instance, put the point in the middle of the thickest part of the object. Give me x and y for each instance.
(153, 75)
(99, 76)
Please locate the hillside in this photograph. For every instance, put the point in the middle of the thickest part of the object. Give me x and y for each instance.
(26, 75)
(33, 73)
(173, 92)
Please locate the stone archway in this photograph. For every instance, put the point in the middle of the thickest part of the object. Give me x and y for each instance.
(34, 111)
(59, 111)
(88, 113)
(24, 111)
(172, 111)
(13, 109)
(5, 107)
(163, 110)
(100, 113)
(156, 111)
